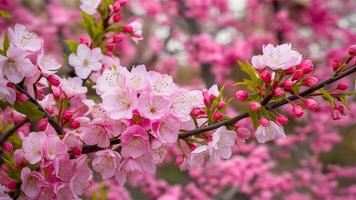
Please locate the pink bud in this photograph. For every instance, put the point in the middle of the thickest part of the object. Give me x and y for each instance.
(208, 137)
(221, 105)
(241, 95)
(76, 151)
(54, 80)
(341, 109)
(311, 104)
(298, 111)
(264, 122)
(290, 71)
(282, 119)
(122, 2)
(42, 124)
(266, 76)
(206, 98)
(179, 160)
(242, 132)
(84, 40)
(335, 115)
(110, 46)
(67, 115)
(57, 92)
(311, 81)
(40, 94)
(298, 75)
(218, 116)
(352, 50)
(192, 147)
(116, 7)
(117, 17)
(306, 66)
(287, 84)
(342, 86)
(127, 29)
(7, 146)
(75, 124)
(279, 91)
(118, 38)
(255, 106)
(335, 64)
(12, 185)
(212, 97)
(196, 112)
(21, 97)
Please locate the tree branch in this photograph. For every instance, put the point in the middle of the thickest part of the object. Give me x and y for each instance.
(3, 137)
(55, 125)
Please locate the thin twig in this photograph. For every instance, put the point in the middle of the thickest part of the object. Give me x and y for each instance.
(3, 137)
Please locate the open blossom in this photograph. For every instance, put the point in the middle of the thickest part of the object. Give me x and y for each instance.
(161, 84)
(89, 6)
(15, 66)
(135, 29)
(106, 163)
(279, 57)
(6, 92)
(31, 182)
(33, 146)
(138, 79)
(85, 60)
(48, 64)
(183, 102)
(24, 39)
(222, 142)
(129, 167)
(159, 151)
(120, 103)
(112, 79)
(134, 142)
(269, 132)
(96, 133)
(198, 156)
(153, 106)
(167, 129)
(73, 86)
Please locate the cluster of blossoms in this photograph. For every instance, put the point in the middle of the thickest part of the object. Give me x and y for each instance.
(70, 137)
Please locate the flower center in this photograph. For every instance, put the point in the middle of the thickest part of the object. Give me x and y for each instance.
(10, 64)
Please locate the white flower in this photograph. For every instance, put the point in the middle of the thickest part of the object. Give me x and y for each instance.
(85, 60)
(161, 84)
(136, 31)
(270, 132)
(89, 6)
(220, 146)
(22, 38)
(73, 86)
(112, 79)
(48, 64)
(197, 157)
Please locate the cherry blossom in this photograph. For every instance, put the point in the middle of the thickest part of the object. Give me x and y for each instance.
(23, 38)
(153, 106)
(73, 86)
(106, 163)
(89, 6)
(32, 182)
(269, 132)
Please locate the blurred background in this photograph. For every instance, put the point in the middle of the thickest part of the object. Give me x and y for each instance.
(198, 42)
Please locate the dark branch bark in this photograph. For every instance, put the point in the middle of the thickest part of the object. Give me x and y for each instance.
(13, 130)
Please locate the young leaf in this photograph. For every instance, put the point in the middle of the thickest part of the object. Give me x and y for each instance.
(5, 14)
(343, 101)
(328, 97)
(250, 71)
(71, 45)
(30, 110)
(6, 43)
(254, 118)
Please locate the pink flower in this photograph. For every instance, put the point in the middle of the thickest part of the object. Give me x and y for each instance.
(96, 133)
(73, 86)
(85, 60)
(139, 78)
(220, 146)
(112, 79)
(82, 175)
(33, 146)
(53, 147)
(135, 29)
(120, 103)
(258, 62)
(31, 182)
(167, 129)
(106, 163)
(129, 167)
(158, 151)
(153, 106)
(183, 103)
(198, 156)
(134, 142)
(6, 92)
(48, 64)
(15, 66)
(269, 132)
(161, 84)
(89, 6)
(24, 39)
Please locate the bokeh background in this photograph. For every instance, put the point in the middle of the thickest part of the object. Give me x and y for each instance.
(198, 42)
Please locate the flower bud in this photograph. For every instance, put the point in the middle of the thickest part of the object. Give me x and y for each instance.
(116, 7)
(212, 97)
(76, 151)
(117, 38)
(341, 109)
(12, 185)
(56, 92)
(298, 75)
(21, 97)
(7, 146)
(179, 160)
(40, 94)
(218, 116)
(206, 98)
(241, 95)
(196, 112)
(122, 2)
(117, 17)
(290, 71)
(221, 105)
(306, 66)
(266, 76)
(282, 119)
(298, 111)
(255, 106)
(342, 86)
(42, 124)
(127, 29)
(311, 81)
(208, 137)
(84, 40)
(311, 104)
(67, 115)
(352, 50)
(279, 91)
(242, 132)
(75, 124)
(335, 64)
(263, 122)
(110, 46)
(335, 115)
(54, 80)
(287, 84)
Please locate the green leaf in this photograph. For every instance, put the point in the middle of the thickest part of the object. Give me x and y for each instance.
(5, 14)
(250, 71)
(343, 101)
(254, 118)
(30, 110)
(328, 97)
(248, 83)
(6, 43)
(71, 45)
